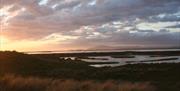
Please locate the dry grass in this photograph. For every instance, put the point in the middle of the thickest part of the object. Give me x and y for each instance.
(17, 83)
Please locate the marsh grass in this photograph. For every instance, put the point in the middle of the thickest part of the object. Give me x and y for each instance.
(18, 83)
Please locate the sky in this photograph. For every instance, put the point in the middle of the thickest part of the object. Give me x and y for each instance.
(46, 25)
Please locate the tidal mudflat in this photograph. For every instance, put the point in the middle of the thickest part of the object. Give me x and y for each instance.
(123, 58)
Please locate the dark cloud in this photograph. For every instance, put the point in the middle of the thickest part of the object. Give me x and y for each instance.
(175, 26)
(162, 39)
(68, 5)
(148, 31)
(166, 18)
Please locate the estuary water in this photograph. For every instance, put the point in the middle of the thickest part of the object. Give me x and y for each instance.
(136, 60)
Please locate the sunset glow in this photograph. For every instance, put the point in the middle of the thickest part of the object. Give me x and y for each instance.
(89, 45)
(3, 41)
(29, 25)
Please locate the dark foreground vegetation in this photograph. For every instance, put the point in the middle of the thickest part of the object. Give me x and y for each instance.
(22, 72)
(14, 83)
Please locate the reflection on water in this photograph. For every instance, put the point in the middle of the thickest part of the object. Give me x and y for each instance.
(137, 59)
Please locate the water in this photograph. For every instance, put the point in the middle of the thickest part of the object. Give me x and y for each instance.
(137, 59)
(121, 61)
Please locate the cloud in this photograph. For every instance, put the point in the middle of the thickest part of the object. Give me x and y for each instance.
(166, 18)
(163, 38)
(95, 21)
(148, 31)
(174, 26)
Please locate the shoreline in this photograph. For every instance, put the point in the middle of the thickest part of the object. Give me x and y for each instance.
(152, 53)
(99, 51)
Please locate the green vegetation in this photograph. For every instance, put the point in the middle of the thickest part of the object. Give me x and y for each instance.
(165, 77)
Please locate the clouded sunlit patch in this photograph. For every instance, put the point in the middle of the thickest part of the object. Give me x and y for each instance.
(59, 38)
(4, 10)
(43, 2)
(155, 26)
(6, 14)
(92, 3)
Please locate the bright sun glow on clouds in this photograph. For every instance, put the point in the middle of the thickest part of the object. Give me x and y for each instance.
(156, 26)
(26, 45)
(6, 15)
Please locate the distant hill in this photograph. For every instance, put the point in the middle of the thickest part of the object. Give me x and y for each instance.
(103, 47)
